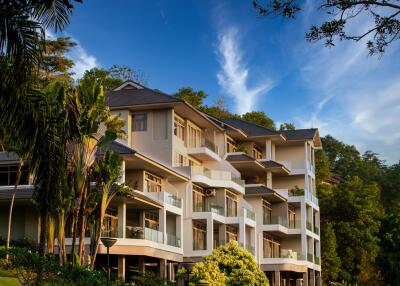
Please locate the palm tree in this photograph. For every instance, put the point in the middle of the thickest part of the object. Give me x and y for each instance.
(90, 112)
(107, 171)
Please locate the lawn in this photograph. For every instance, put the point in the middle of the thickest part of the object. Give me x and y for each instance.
(9, 281)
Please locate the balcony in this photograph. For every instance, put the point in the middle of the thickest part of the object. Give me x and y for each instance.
(166, 198)
(139, 232)
(216, 178)
(301, 192)
(317, 260)
(249, 214)
(309, 226)
(310, 257)
(316, 230)
(211, 207)
(207, 151)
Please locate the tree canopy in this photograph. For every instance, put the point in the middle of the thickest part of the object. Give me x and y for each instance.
(230, 265)
(382, 27)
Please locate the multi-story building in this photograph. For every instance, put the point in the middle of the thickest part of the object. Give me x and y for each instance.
(198, 183)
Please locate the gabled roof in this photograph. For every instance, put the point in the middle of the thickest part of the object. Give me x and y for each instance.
(300, 134)
(138, 96)
(250, 128)
(117, 147)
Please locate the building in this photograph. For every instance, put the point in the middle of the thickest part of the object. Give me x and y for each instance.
(199, 182)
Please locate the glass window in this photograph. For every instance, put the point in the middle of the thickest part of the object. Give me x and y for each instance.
(151, 220)
(8, 175)
(231, 233)
(194, 139)
(199, 236)
(292, 217)
(140, 122)
(267, 212)
(230, 145)
(257, 154)
(198, 199)
(272, 247)
(152, 183)
(180, 160)
(179, 128)
(231, 205)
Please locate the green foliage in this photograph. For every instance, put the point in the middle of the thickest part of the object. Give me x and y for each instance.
(383, 14)
(389, 257)
(330, 261)
(287, 126)
(259, 118)
(322, 166)
(232, 265)
(195, 98)
(150, 279)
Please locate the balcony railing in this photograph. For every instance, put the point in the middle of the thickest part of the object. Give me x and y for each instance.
(250, 248)
(309, 226)
(301, 192)
(139, 232)
(216, 209)
(172, 200)
(310, 257)
(216, 174)
(219, 242)
(249, 214)
(317, 260)
(316, 230)
(210, 145)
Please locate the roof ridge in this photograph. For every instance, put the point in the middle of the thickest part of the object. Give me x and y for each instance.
(248, 122)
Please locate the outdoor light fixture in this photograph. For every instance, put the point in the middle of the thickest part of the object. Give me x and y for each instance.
(108, 242)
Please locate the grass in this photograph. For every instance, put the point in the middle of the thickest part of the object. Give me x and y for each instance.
(9, 281)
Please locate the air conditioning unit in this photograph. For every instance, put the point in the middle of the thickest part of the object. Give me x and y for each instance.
(211, 193)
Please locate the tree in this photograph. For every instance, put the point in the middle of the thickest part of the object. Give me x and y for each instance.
(329, 257)
(385, 15)
(113, 77)
(106, 171)
(55, 66)
(390, 184)
(195, 98)
(322, 166)
(259, 118)
(236, 264)
(287, 126)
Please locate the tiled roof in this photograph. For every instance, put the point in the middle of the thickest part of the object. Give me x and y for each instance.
(239, 157)
(117, 147)
(300, 134)
(258, 190)
(127, 97)
(250, 128)
(272, 164)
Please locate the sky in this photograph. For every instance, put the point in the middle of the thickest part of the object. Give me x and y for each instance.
(251, 62)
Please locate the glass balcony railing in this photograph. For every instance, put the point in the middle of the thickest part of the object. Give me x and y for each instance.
(317, 260)
(172, 200)
(301, 192)
(309, 226)
(210, 145)
(216, 209)
(219, 242)
(173, 240)
(316, 230)
(216, 174)
(275, 220)
(310, 257)
(249, 214)
(250, 248)
(139, 232)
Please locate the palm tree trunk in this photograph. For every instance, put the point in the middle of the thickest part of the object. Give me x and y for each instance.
(82, 220)
(43, 231)
(99, 230)
(50, 234)
(17, 179)
(61, 237)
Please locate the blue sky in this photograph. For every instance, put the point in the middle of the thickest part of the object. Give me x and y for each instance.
(253, 63)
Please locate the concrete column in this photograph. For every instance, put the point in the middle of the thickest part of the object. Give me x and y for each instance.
(141, 266)
(179, 228)
(121, 266)
(268, 150)
(210, 233)
(242, 233)
(121, 180)
(312, 280)
(122, 220)
(163, 268)
(277, 278)
(305, 278)
(162, 221)
(129, 124)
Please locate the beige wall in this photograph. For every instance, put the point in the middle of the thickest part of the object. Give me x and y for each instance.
(290, 153)
(288, 182)
(24, 222)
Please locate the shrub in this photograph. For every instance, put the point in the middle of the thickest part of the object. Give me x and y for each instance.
(150, 279)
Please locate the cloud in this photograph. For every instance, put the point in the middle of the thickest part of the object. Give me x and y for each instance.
(233, 76)
(355, 97)
(82, 59)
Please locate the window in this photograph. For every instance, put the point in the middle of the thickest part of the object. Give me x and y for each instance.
(230, 145)
(180, 160)
(292, 217)
(151, 220)
(267, 212)
(194, 139)
(140, 122)
(199, 236)
(257, 154)
(272, 247)
(110, 223)
(198, 199)
(231, 233)
(179, 128)
(231, 205)
(8, 175)
(152, 183)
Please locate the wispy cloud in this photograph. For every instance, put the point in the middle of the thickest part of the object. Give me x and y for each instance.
(233, 76)
(82, 59)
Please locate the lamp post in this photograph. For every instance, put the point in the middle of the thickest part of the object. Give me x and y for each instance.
(108, 242)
